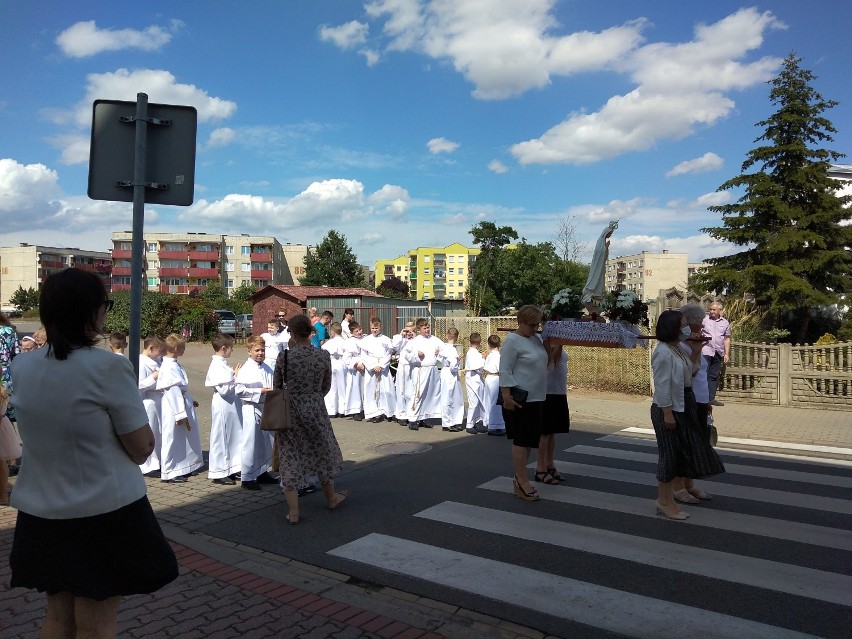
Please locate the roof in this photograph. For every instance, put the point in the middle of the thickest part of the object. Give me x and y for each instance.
(302, 293)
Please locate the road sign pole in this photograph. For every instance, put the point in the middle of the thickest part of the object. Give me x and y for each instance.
(138, 247)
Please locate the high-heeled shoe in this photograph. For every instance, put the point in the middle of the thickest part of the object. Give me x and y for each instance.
(684, 497)
(544, 477)
(700, 494)
(526, 496)
(556, 474)
(678, 516)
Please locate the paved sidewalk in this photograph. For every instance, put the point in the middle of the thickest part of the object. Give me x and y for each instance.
(231, 590)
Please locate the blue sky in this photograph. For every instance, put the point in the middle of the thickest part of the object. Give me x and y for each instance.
(403, 123)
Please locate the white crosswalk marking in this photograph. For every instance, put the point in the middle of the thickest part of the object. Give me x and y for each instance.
(606, 608)
(774, 554)
(731, 469)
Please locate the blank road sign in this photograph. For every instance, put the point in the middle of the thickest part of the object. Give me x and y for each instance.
(170, 152)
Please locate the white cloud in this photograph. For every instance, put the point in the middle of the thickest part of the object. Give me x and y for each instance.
(714, 198)
(503, 47)
(345, 36)
(372, 238)
(680, 87)
(697, 247)
(441, 145)
(371, 56)
(615, 210)
(707, 162)
(497, 166)
(84, 39)
(222, 136)
(31, 199)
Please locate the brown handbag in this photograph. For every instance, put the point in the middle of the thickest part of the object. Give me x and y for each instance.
(276, 406)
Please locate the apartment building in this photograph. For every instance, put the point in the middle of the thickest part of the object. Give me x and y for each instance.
(184, 262)
(432, 272)
(28, 265)
(646, 273)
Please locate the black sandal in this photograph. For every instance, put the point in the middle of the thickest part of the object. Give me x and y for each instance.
(545, 477)
(555, 474)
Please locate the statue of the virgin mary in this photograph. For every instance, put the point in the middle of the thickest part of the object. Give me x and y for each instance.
(594, 288)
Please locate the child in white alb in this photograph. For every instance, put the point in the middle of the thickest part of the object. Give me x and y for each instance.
(152, 399)
(353, 405)
(226, 428)
(403, 372)
(423, 355)
(473, 364)
(452, 398)
(181, 440)
(254, 381)
(491, 389)
(379, 391)
(336, 397)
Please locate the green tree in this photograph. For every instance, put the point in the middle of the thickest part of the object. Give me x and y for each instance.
(332, 263)
(395, 288)
(241, 296)
(789, 215)
(492, 240)
(24, 299)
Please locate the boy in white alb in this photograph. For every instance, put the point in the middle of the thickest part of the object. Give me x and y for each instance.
(117, 343)
(403, 372)
(335, 398)
(423, 355)
(379, 390)
(226, 415)
(181, 439)
(473, 364)
(452, 398)
(273, 342)
(149, 369)
(353, 404)
(254, 381)
(493, 413)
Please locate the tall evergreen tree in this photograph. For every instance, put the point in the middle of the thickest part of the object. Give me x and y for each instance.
(332, 263)
(798, 255)
(492, 240)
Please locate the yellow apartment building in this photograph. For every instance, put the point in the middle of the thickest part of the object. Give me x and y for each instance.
(432, 272)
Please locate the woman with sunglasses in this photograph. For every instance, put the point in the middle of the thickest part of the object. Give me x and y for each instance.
(85, 534)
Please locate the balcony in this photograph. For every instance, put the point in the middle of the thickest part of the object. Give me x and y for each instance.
(195, 287)
(121, 270)
(121, 287)
(122, 254)
(171, 255)
(200, 272)
(209, 256)
(388, 271)
(261, 257)
(440, 263)
(170, 288)
(261, 274)
(52, 264)
(173, 272)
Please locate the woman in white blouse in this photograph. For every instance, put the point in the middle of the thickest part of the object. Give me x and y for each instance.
(523, 365)
(683, 451)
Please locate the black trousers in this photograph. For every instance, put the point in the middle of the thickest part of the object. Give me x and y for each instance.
(714, 369)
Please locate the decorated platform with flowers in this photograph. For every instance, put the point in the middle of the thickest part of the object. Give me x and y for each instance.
(608, 335)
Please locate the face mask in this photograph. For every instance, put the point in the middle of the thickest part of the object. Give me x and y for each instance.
(686, 330)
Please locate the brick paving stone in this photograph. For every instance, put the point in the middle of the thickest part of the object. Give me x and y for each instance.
(281, 591)
(335, 606)
(411, 633)
(347, 613)
(394, 629)
(374, 625)
(318, 605)
(362, 618)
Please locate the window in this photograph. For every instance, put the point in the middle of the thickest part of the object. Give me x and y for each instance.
(151, 247)
(451, 283)
(124, 246)
(245, 250)
(427, 283)
(229, 267)
(153, 281)
(426, 271)
(398, 269)
(452, 271)
(174, 246)
(462, 257)
(230, 283)
(245, 267)
(229, 250)
(452, 258)
(425, 296)
(173, 281)
(452, 296)
(426, 258)
(461, 282)
(461, 271)
(121, 280)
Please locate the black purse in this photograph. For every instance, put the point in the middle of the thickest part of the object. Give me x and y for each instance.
(518, 394)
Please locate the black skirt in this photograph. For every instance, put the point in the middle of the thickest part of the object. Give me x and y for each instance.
(556, 416)
(684, 451)
(119, 553)
(523, 425)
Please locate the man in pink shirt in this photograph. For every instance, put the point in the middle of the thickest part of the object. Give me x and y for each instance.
(718, 350)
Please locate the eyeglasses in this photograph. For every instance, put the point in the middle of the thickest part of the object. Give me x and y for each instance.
(108, 304)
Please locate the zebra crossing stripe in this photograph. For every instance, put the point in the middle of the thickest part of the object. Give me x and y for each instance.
(760, 442)
(597, 606)
(738, 452)
(796, 500)
(750, 571)
(731, 469)
(822, 536)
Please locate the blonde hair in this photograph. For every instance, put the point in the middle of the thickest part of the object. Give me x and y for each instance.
(40, 336)
(154, 340)
(174, 342)
(4, 394)
(254, 340)
(529, 313)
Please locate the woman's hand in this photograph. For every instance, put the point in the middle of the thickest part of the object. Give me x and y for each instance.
(668, 418)
(511, 404)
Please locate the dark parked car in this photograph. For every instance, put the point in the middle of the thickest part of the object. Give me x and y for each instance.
(227, 322)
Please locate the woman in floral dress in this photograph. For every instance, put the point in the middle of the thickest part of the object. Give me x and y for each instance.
(309, 446)
(9, 348)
